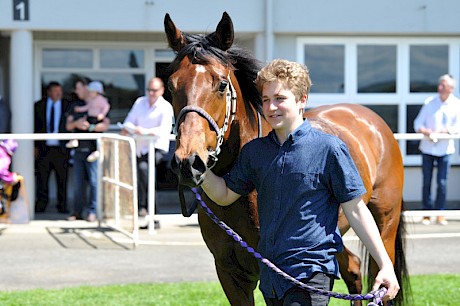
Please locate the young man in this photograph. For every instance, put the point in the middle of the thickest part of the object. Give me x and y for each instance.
(301, 179)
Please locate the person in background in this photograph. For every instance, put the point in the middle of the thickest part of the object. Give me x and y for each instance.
(299, 205)
(150, 115)
(51, 155)
(96, 106)
(5, 116)
(82, 168)
(7, 149)
(439, 114)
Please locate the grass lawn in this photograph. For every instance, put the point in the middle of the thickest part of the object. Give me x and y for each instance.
(428, 290)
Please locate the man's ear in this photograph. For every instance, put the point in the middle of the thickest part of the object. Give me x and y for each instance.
(303, 101)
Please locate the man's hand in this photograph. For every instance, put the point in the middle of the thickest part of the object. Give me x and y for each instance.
(82, 124)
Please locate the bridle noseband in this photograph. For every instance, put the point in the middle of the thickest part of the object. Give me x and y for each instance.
(230, 111)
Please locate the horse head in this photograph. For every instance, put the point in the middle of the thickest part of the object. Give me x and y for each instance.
(205, 93)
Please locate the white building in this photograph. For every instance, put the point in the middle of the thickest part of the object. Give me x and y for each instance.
(386, 55)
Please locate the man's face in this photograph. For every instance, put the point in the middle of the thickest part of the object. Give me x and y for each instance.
(55, 93)
(280, 106)
(155, 90)
(81, 90)
(444, 89)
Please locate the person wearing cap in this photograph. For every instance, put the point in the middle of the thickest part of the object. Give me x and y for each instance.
(97, 106)
(83, 170)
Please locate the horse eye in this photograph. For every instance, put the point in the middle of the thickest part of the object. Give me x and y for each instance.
(170, 86)
(222, 86)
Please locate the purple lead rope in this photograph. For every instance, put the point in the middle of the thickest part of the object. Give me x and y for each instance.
(377, 295)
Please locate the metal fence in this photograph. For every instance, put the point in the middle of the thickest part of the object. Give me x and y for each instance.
(110, 145)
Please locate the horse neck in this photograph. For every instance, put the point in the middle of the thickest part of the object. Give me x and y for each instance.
(241, 131)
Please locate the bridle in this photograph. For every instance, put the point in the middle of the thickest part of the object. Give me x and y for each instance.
(230, 111)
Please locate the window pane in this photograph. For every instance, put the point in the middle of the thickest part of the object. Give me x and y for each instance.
(67, 58)
(427, 64)
(376, 69)
(327, 67)
(412, 145)
(113, 58)
(389, 114)
(164, 53)
(122, 89)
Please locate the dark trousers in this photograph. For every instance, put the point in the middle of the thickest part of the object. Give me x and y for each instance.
(297, 296)
(82, 169)
(428, 164)
(143, 177)
(51, 159)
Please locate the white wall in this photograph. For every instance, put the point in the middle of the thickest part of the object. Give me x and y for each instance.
(133, 15)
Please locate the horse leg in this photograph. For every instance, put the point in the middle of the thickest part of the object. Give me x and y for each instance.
(237, 270)
(387, 215)
(349, 265)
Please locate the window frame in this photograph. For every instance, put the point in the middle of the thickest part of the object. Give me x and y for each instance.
(402, 97)
(148, 70)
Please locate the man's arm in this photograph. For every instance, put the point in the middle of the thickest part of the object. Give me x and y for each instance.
(362, 222)
(217, 190)
(100, 126)
(83, 125)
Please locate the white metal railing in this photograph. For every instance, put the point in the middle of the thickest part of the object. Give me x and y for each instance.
(116, 182)
(99, 138)
(151, 196)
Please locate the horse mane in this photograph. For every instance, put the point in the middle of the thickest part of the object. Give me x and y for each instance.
(201, 49)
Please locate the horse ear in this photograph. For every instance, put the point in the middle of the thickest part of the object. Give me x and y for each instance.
(224, 32)
(175, 37)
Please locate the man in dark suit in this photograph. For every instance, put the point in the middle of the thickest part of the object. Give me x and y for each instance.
(50, 117)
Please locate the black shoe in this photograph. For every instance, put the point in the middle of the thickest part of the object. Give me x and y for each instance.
(39, 209)
(62, 210)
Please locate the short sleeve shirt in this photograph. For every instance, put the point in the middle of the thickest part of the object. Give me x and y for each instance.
(300, 185)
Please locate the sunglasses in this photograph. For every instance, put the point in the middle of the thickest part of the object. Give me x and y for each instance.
(153, 89)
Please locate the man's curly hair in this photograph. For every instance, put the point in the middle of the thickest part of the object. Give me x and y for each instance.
(294, 76)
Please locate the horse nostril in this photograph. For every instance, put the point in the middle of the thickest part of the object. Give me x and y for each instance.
(198, 164)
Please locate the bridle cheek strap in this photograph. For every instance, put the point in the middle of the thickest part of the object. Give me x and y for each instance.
(230, 111)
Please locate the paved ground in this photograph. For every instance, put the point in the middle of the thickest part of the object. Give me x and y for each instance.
(50, 252)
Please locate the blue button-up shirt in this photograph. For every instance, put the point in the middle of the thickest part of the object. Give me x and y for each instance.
(300, 185)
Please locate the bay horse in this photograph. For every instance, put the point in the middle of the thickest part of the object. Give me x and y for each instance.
(217, 107)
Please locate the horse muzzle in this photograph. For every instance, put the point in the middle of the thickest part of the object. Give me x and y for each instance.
(190, 171)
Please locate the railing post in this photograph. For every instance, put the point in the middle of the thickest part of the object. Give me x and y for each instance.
(151, 192)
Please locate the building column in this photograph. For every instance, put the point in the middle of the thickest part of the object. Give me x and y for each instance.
(22, 107)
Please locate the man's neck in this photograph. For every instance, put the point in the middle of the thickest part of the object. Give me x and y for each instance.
(444, 97)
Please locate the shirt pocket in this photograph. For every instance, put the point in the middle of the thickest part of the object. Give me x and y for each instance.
(304, 180)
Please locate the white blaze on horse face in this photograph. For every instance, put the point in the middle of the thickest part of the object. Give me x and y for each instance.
(200, 69)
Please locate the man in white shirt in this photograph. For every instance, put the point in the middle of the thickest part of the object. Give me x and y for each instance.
(439, 114)
(150, 115)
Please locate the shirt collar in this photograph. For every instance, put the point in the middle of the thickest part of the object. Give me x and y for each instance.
(297, 134)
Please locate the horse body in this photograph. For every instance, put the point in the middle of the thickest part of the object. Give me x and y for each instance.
(210, 76)
(378, 159)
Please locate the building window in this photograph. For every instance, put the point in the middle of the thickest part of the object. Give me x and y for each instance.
(376, 69)
(326, 64)
(393, 76)
(67, 58)
(124, 58)
(122, 72)
(427, 64)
